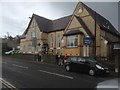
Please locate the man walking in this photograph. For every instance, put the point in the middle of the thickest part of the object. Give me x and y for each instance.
(60, 60)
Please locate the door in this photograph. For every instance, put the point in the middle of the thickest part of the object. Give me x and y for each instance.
(83, 65)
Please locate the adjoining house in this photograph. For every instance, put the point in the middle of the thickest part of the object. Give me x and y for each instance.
(44, 35)
(85, 33)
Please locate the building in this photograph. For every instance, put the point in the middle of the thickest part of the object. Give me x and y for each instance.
(43, 34)
(85, 33)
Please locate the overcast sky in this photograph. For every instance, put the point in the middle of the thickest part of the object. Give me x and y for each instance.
(14, 15)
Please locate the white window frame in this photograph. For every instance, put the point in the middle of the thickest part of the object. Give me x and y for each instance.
(68, 39)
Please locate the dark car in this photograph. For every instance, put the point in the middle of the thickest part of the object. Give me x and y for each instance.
(87, 65)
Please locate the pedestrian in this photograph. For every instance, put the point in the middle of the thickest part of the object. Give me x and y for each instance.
(60, 60)
(39, 59)
(56, 57)
(65, 58)
(37, 56)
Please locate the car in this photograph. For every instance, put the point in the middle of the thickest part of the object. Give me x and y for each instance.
(111, 84)
(87, 65)
(9, 52)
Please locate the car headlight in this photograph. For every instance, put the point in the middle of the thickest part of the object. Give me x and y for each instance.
(99, 67)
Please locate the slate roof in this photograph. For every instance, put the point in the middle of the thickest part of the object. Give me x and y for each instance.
(47, 25)
(73, 32)
(103, 22)
(61, 23)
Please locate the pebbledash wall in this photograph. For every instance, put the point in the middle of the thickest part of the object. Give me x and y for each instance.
(68, 35)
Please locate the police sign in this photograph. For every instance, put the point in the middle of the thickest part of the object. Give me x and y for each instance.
(87, 41)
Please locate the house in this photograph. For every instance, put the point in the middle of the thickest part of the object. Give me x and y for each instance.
(86, 23)
(43, 34)
(85, 33)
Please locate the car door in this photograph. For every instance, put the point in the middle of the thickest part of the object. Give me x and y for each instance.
(86, 66)
(73, 62)
(81, 63)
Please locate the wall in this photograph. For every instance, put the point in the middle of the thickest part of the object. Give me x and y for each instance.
(26, 44)
(55, 47)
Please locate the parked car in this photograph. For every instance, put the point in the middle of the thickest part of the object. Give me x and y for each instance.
(13, 51)
(9, 52)
(88, 65)
(112, 84)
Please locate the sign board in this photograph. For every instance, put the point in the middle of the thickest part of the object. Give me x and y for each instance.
(87, 41)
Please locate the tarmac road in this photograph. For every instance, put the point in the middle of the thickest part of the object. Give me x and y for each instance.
(30, 74)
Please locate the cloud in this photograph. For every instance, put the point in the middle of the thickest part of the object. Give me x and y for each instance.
(14, 15)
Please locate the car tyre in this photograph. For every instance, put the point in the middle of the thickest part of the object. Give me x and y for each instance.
(67, 68)
(91, 72)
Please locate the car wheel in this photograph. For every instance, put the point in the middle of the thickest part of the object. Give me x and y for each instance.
(91, 72)
(67, 68)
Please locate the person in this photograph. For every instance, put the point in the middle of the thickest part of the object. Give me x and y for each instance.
(56, 58)
(65, 58)
(60, 60)
(39, 59)
(37, 56)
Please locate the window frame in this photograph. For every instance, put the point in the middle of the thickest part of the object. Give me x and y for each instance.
(75, 46)
(51, 41)
(59, 40)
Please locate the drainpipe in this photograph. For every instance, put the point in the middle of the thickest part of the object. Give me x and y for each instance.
(95, 38)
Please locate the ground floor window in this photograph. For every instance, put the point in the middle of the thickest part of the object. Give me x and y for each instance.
(72, 41)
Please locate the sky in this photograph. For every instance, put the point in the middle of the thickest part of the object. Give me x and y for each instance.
(14, 16)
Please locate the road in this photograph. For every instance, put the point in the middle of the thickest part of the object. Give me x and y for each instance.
(29, 74)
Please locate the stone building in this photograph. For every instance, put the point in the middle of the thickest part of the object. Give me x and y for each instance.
(85, 33)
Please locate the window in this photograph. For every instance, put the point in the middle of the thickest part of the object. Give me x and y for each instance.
(74, 59)
(59, 40)
(33, 34)
(33, 37)
(72, 41)
(81, 60)
(51, 40)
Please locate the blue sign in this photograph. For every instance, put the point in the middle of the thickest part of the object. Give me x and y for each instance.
(87, 41)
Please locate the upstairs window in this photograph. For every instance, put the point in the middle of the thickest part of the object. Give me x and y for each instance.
(51, 40)
(33, 35)
(59, 40)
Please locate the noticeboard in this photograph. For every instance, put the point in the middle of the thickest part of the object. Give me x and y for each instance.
(87, 41)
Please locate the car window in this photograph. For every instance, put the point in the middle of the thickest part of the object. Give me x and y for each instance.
(73, 59)
(81, 60)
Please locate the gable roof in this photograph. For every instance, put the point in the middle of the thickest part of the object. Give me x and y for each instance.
(102, 22)
(44, 24)
(47, 25)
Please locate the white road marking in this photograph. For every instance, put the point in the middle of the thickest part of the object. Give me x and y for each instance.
(7, 84)
(20, 66)
(56, 74)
